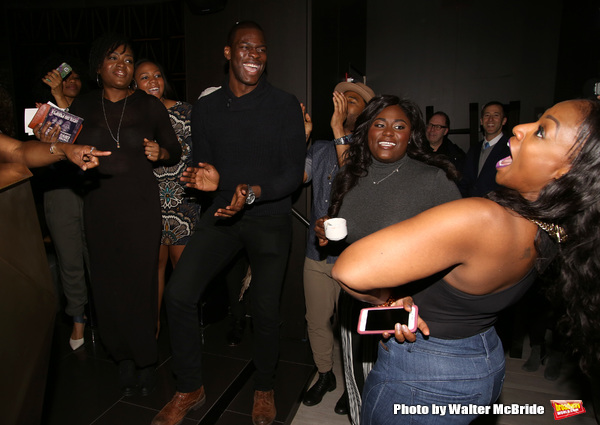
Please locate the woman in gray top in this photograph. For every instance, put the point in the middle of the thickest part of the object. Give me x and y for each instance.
(388, 176)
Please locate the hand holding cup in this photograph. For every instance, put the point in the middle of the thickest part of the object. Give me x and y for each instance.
(335, 229)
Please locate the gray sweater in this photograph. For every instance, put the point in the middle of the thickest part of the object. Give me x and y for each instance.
(400, 195)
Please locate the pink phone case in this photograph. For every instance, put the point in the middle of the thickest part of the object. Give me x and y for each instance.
(364, 313)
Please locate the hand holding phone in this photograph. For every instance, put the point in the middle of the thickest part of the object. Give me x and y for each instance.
(378, 320)
(64, 69)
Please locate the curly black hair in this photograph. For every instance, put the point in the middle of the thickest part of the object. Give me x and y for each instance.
(359, 158)
(573, 202)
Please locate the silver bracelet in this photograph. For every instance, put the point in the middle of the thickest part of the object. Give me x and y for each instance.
(53, 150)
(344, 140)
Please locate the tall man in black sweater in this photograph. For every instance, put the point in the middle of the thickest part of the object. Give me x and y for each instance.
(253, 134)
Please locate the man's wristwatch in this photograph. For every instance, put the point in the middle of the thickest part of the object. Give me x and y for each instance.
(251, 196)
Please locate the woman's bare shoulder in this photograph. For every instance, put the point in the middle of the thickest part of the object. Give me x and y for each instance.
(471, 210)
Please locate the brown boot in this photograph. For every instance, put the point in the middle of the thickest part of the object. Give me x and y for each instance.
(263, 411)
(181, 403)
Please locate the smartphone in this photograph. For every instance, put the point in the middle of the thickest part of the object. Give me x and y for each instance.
(377, 320)
(64, 69)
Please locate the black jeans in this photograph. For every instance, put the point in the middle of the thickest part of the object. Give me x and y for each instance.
(215, 243)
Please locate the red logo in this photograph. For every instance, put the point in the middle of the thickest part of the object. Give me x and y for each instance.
(567, 408)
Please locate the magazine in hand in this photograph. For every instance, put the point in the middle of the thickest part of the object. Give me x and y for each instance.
(70, 125)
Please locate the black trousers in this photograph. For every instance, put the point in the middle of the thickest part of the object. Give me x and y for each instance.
(215, 243)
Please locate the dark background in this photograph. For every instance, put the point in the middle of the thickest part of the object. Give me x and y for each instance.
(441, 53)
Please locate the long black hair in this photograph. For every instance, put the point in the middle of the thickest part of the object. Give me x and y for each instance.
(573, 202)
(359, 158)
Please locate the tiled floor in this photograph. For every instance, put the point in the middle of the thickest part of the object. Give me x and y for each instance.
(82, 385)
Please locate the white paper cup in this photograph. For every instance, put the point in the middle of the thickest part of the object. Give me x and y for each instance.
(335, 229)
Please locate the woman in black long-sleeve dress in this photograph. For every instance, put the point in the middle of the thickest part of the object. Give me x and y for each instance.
(122, 211)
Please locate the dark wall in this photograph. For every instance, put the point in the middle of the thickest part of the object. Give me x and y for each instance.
(447, 53)
(285, 25)
(339, 39)
(39, 39)
(579, 50)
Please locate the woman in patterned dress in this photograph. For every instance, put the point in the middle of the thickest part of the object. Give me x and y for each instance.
(179, 210)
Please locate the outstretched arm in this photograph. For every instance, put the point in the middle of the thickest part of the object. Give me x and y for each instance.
(470, 237)
(38, 154)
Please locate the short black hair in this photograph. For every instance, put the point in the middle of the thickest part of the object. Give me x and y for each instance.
(240, 26)
(494, 102)
(102, 47)
(445, 115)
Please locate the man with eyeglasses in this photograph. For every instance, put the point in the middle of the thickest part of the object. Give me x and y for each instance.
(479, 168)
(437, 131)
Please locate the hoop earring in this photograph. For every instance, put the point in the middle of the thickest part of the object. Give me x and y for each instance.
(98, 80)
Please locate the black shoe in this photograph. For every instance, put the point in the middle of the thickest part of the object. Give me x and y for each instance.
(325, 383)
(236, 333)
(147, 380)
(127, 377)
(341, 407)
(535, 359)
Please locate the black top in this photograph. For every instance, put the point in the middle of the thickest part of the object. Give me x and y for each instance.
(255, 139)
(123, 220)
(455, 154)
(453, 314)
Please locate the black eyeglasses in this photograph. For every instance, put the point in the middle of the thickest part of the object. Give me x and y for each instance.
(437, 126)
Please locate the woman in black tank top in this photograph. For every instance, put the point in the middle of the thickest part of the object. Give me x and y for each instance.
(480, 248)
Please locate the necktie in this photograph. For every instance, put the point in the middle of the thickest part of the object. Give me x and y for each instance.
(486, 145)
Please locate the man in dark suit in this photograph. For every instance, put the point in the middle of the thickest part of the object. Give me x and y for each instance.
(479, 168)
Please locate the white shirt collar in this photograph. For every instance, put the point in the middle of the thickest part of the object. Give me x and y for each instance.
(494, 140)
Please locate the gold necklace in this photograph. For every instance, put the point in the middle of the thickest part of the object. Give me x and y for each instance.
(120, 121)
(555, 231)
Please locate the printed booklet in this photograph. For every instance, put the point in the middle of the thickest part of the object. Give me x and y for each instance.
(70, 125)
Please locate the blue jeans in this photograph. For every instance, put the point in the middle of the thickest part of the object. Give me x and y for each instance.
(412, 383)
